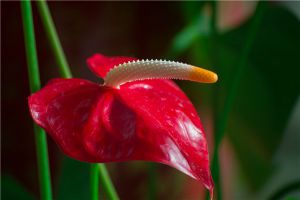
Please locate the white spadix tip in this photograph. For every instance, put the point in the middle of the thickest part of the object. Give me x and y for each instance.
(156, 69)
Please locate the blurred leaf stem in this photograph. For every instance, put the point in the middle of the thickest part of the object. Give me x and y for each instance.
(94, 182)
(213, 58)
(53, 39)
(106, 183)
(35, 84)
(66, 73)
(152, 181)
(222, 118)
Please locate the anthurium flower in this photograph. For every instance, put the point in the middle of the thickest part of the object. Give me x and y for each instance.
(135, 115)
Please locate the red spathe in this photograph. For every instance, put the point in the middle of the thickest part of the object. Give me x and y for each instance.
(150, 120)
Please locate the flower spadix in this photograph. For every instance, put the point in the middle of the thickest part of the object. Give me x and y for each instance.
(136, 115)
(156, 69)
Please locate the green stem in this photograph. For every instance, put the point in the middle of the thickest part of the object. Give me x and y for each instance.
(216, 94)
(66, 73)
(229, 100)
(53, 39)
(35, 84)
(106, 183)
(152, 176)
(94, 182)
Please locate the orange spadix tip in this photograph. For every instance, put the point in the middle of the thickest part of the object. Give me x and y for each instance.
(202, 75)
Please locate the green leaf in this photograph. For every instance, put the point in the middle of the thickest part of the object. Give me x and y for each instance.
(267, 92)
(12, 189)
(285, 180)
(268, 89)
(74, 180)
(189, 35)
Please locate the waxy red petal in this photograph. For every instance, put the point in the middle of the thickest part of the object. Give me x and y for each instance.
(149, 120)
(100, 64)
(168, 124)
(62, 108)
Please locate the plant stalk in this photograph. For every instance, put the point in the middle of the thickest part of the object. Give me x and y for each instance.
(229, 100)
(53, 39)
(152, 180)
(35, 84)
(65, 72)
(216, 93)
(94, 182)
(107, 183)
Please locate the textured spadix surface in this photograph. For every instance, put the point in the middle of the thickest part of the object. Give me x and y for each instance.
(150, 120)
(156, 69)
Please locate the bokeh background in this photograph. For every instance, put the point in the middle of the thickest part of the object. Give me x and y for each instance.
(260, 154)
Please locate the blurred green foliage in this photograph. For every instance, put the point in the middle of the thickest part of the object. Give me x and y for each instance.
(72, 183)
(11, 189)
(268, 89)
(267, 92)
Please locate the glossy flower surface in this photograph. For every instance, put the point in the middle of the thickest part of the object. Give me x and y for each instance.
(149, 120)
